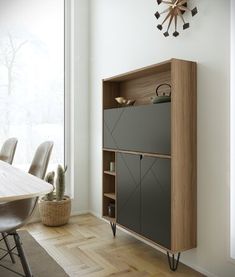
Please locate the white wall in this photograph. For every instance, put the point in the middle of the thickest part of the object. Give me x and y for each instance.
(124, 37)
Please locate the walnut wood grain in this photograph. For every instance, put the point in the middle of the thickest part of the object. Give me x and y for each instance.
(110, 92)
(110, 172)
(143, 88)
(184, 155)
(110, 195)
(144, 71)
(156, 155)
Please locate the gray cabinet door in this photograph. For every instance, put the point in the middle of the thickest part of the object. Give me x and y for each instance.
(128, 191)
(140, 128)
(156, 200)
(111, 120)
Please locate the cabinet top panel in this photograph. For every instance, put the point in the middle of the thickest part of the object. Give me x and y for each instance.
(155, 68)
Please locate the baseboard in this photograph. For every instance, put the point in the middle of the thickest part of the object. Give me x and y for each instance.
(96, 215)
(75, 213)
(200, 270)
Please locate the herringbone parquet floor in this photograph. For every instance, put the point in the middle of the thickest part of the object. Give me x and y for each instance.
(86, 247)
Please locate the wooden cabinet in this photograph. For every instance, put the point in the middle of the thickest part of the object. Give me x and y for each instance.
(153, 146)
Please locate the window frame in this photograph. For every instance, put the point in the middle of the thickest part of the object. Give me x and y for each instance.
(69, 95)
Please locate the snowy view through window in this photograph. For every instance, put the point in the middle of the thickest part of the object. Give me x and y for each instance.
(32, 76)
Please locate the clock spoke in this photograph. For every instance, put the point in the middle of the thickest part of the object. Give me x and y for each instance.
(169, 14)
(180, 15)
(166, 10)
(175, 34)
(167, 2)
(166, 34)
(182, 2)
(183, 8)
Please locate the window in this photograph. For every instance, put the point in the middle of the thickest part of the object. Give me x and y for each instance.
(32, 77)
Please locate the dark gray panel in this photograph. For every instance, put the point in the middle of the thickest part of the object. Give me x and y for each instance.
(109, 141)
(111, 119)
(140, 128)
(156, 200)
(128, 191)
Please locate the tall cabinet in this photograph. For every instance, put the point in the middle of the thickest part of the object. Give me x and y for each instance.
(151, 191)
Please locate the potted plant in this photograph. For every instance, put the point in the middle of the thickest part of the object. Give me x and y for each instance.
(55, 207)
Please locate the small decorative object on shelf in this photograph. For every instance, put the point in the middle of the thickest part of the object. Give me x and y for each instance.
(175, 10)
(111, 210)
(125, 102)
(55, 207)
(161, 97)
(112, 166)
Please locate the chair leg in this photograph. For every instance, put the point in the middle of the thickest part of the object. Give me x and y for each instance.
(4, 235)
(22, 256)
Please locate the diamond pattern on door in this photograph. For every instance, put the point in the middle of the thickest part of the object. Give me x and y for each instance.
(128, 191)
(156, 199)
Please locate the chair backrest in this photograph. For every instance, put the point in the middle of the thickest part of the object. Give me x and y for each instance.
(41, 159)
(8, 150)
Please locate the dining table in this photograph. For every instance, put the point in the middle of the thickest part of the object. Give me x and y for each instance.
(16, 184)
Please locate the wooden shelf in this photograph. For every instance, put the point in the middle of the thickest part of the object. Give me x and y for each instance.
(163, 156)
(113, 173)
(110, 195)
(111, 219)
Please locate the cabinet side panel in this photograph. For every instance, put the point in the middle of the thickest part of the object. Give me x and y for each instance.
(184, 155)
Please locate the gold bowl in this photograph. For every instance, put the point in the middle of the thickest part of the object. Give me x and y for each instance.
(121, 100)
(125, 102)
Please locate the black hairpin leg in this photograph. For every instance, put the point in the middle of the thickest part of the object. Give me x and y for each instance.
(4, 235)
(22, 256)
(173, 263)
(113, 226)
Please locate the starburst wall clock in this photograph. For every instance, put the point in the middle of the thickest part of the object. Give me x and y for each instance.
(174, 11)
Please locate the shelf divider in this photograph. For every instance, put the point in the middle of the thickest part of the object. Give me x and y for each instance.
(110, 195)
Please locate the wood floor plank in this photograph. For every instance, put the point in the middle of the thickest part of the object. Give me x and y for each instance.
(86, 247)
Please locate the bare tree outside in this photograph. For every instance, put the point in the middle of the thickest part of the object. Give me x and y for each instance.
(8, 54)
(32, 76)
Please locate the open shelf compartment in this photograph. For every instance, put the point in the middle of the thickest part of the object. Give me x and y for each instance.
(109, 185)
(139, 85)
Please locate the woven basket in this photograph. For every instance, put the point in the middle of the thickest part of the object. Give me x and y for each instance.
(55, 213)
